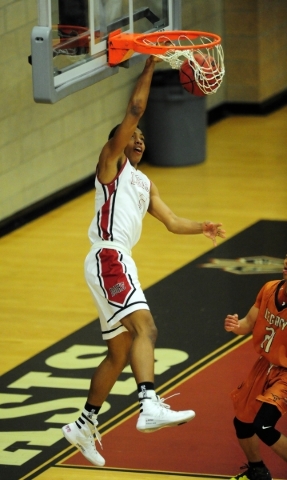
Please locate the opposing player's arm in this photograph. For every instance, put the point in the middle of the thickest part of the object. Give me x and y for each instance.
(180, 225)
(243, 326)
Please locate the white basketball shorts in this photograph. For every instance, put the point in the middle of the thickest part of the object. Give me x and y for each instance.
(113, 281)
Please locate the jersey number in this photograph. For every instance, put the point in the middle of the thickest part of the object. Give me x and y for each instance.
(268, 339)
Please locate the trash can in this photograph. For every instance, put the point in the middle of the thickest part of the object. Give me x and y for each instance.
(174, 123)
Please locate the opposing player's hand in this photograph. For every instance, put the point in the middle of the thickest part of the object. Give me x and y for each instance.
(213, 230)
(231, 323)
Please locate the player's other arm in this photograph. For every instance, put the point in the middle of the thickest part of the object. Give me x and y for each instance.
(179, 225)
(243, 326)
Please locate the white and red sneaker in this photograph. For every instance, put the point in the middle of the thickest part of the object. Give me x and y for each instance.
(83, 436)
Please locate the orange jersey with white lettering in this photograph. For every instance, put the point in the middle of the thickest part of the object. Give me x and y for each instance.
(270, 329)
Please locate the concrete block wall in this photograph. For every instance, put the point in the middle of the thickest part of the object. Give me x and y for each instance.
(255, 46)
(206, 16)
(45, 148)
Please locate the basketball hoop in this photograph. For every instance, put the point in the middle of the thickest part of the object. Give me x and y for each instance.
(174, 47)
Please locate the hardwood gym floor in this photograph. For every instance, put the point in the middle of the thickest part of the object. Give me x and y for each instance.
(44, 296)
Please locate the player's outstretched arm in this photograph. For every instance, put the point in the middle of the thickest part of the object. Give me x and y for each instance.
(179, 225)
(243, 326)
(114, 148)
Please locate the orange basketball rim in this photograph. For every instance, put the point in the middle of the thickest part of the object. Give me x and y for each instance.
(173, 47)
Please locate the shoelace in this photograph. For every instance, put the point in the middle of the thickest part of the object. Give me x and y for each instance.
(162, 400)
(97, 434)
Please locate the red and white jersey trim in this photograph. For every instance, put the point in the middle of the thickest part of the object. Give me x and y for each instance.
(120, 207)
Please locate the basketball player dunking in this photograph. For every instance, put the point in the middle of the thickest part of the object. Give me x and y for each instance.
(123, 196)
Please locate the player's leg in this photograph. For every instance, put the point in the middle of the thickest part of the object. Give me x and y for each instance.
(154, 413)
(141, 326)
(107, 373)
(272, 408)
(280, 447)
(81, 433)
(249, 442)
(251, 448)
(264, 422)
(246, 407)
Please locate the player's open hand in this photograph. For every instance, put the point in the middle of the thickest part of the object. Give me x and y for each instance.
(213, 230)
(231, 323)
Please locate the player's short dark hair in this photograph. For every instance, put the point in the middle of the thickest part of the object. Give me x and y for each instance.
(113, 130)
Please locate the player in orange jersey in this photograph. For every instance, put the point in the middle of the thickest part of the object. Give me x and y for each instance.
(261, 400)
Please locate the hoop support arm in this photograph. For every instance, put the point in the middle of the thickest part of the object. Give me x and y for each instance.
(120, 47)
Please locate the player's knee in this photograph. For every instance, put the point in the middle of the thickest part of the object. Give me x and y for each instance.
(267, 434)
(141, 324)
(151, 333)
(147, 326)
(243, 430)
(264, 424)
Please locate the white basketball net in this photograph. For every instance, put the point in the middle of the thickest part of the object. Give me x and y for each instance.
(209, 76)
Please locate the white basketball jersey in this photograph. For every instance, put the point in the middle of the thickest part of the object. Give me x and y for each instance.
(120, 207)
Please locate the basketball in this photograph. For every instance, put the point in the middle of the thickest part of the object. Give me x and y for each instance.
(208, 68)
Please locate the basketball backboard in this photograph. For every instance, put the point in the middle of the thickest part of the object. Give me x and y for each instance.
(69, 44)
